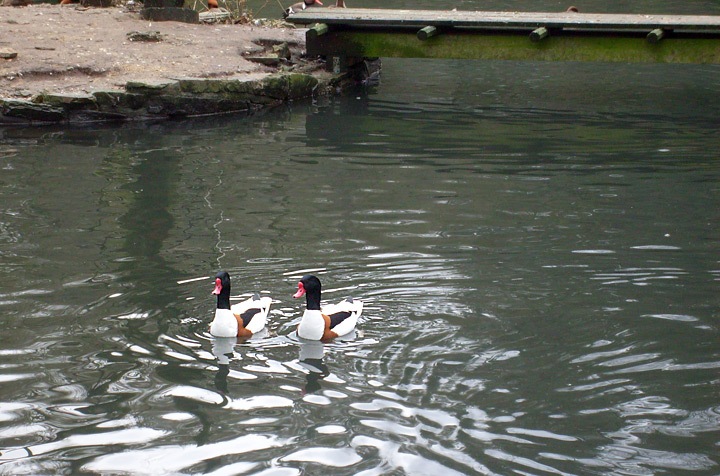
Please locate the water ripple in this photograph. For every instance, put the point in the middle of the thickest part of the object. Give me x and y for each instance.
(172, 459)
(532, 307)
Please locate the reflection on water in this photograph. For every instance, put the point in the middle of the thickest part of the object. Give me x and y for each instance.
(222, 349)
(540, 286)
(311, 357)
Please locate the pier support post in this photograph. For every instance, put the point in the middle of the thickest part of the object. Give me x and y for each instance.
(539, 34)
(316, 30)
(427, 32)
(656, 35)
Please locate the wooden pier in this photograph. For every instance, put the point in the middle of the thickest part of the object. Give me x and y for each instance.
(347, 33)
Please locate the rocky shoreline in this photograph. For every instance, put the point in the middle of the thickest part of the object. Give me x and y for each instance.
(72, 65)
(187, 97)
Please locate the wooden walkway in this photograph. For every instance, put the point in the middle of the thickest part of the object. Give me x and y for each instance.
(363, 17)
(566, 36)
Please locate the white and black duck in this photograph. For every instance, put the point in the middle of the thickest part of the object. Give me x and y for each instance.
(330, 321)
(239, 320)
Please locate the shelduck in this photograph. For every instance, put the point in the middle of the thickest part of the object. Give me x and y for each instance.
(329, 322)
(300, 6)
(242, 319)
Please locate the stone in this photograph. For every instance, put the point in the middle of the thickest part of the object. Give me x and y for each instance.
(289, 86)
(20, 108)
(282, 50)
(301, 85)
(96, 3)
(215, 16)
(275, 86)
(6, 53)
(268, 60)
(115, 101)
(201, 85)
(251, 49)
(182, 105)
(159, 99)
(147, 36)
(148, 87)
(83, 116)
(164, 3)
(67, 101)
(242, 86)
(185, 15)
(108, 98)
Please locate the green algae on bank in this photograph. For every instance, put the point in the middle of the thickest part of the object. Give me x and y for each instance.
(164, 99)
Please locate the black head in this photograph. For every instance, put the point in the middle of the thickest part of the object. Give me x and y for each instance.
(310, 286)
(222, 290)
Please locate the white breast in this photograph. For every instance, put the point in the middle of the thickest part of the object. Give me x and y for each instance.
(224, 324)
(312, 325)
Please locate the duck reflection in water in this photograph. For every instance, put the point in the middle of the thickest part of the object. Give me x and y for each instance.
(311, 357)
(222, 348)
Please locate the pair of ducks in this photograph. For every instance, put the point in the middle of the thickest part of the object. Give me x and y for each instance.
(250, 316)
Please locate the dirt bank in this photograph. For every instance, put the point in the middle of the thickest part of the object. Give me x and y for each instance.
(70, 49)
(70, 64)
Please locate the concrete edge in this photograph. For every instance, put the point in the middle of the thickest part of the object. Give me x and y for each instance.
(176, 98)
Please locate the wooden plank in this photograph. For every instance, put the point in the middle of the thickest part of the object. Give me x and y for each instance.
(467, 45)
(364, 17)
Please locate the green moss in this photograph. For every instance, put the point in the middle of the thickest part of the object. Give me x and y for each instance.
(68, 101)
(113, 101)
(184, 97)
(519, 47)
(300, 85)
(149, 87)
(27, 110)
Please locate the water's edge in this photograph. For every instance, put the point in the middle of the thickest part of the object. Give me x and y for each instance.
(189, 97)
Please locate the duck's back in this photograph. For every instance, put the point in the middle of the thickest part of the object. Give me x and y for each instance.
(254, 312)
(344, 315)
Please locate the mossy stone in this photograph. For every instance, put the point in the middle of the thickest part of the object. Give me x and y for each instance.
(20, 108)
(68, 101)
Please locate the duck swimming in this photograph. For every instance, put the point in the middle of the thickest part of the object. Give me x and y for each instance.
(242, 319)
(329, 322)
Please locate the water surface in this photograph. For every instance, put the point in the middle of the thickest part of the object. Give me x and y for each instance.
(539, 262)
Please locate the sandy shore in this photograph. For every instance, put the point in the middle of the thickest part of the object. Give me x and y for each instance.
(70, 49)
